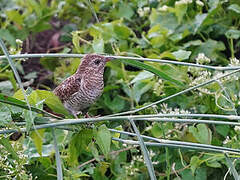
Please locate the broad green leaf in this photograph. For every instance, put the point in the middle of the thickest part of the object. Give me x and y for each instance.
(7, 36)
(156, 130)
(16, 102)
(166, 20)
(15, 16)
(199, 19)
(210, 48)
(6, 143)
(94, 151)
(223, 130)
(181, 54)
(52, 101)
(5, 115)
(180, 10)
(152, 70)
(79, 144)
(37, 137)
(121, 31)
(158, 35)
(202, 133)
(139, 88)
(142, 76)
(192, 43)
(31, 75)
(116, 105)
(98, 45)
(235, 8)
(125, 11)
(103, 139)
(195, 163)
(233, 34)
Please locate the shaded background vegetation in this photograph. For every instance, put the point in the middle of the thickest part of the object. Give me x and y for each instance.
(201, 31)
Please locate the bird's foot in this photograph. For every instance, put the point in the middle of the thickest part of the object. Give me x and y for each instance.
(75, 114)
(88, 116)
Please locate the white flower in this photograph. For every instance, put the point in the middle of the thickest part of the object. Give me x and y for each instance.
(140, 12)
(234, 62)
(200, 3)
(237, 128)
(202, 58)
(18, 41)
(227, 140)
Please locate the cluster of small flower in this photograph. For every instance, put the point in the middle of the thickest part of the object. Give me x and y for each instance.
(168, 110)
(202, 59)
(17, 49)
(143, 11)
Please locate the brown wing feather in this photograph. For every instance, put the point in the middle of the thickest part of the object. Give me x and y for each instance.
(68, 87)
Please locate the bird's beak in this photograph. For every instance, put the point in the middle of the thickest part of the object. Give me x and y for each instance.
(109, 58)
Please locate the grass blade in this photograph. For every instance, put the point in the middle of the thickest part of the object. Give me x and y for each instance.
(16, 102)
(152, 70)
(232, 168)
(57, 156)
(145, 151)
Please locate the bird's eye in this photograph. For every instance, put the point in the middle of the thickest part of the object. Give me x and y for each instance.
(97, 61)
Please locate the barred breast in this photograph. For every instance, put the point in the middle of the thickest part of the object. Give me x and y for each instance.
(91, 88)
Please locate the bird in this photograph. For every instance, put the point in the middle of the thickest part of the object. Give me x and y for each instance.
(85, 86)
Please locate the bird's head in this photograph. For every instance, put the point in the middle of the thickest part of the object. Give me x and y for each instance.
(93, 63)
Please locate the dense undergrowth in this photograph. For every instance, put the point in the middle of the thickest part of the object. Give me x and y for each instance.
(204, 32)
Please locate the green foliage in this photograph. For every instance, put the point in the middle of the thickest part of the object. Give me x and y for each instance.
(200, 32)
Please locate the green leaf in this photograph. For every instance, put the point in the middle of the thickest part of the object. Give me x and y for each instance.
(116, 105)
(202, 133)
(199, 19)
(235, 8)
(195, 163)
(165, 20)
(180, 10)
(37, 137)
(121, 31)
(139, 88)
(223, 130)
(213, 164)
(142, 76)
(152, 70)
(79, 144)
(210, 48)
(15, 16)
(7, 36)
(181, 54)
(125, 11)
(5, 142)
(94, 151)
(52, 101)
(5, 115)
(12, 101)
(98, 45)
(6, 87)
(233, 34)
(103, 139)
(156, 130)
(31, 75)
